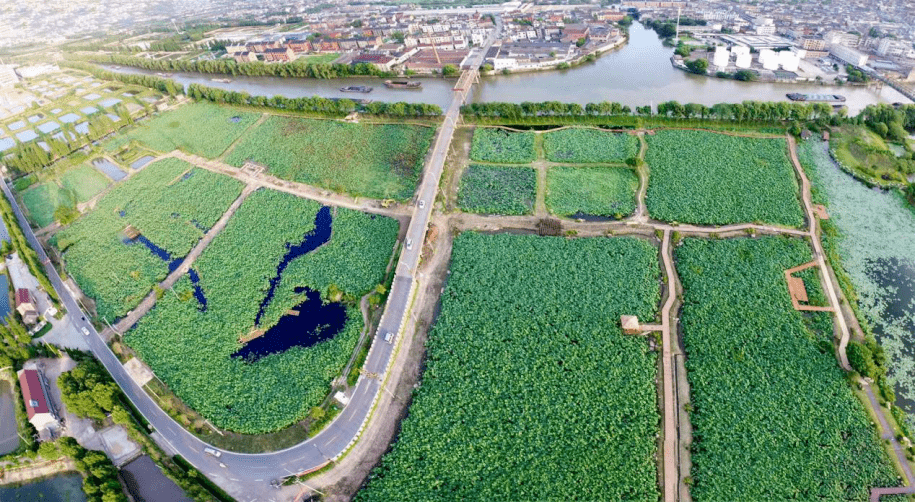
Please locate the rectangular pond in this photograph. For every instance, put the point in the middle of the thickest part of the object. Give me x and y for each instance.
(19, 124)
(109, 102)
(6, 143)
(35, 118)
(141, 162)
(69, 118)
(62, 488)
(113, 117)
(9, 439)
(47, 127)
(111, 170)
(146, 482)
(92, 96)
(27, 135)
(87, 110)
(82, 128)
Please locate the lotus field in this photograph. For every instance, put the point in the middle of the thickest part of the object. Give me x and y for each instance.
(191, 350)
(170, 203)
(774, 416)
(500, 146)
(583, 146)
(201, 128)
(498, 189)
(378, 161)
(531, 391)
(85, 181)
(716, 179)
(597, 191)
(41, 200)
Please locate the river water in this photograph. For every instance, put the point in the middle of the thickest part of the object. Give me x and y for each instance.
(638, 74)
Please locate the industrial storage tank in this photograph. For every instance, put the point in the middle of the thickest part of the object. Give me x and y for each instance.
(768, 59)
(720, 59)
(788, 60)
(742, 54)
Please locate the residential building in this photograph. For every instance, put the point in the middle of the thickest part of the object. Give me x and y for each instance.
(244, 57)
(26, 306)
(38, 406)
(278, 54)
(848, 55)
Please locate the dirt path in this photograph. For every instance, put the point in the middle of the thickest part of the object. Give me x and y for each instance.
(641, 212)
(671, 447)
(540, 210)
(227, 151)
(298, 189)
(147, 304)
(34, 471)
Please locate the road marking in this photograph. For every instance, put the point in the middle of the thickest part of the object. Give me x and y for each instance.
(233, 479)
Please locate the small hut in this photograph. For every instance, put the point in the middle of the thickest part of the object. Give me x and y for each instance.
(630, 324)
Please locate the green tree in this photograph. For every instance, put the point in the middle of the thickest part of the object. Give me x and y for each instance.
(698, 66)
(449, 70)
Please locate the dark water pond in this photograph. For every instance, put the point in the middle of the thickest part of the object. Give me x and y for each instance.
(63, 488)
(173, 264)
(314, 321)
(146, 483)
(111, 170)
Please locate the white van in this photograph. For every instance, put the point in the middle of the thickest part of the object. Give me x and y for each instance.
(211, 451)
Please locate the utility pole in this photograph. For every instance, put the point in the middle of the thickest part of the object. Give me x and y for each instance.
(678, 23)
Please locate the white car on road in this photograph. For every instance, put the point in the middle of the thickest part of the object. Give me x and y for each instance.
(85, 331)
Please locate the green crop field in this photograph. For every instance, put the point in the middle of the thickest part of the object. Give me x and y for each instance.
(498, 190)
(85, 182)
(774, 416)
(531, 391)
(41, 200)
(190, 349)
(201, 128)
(598, 191)
(378, 161)
(579, 146)
(498, 145)
(170, 203)
(715, 179)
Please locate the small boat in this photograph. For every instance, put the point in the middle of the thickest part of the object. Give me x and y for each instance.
(403, 84)
(222, 80)
(163, 74)
(356, 88)
(796, 96)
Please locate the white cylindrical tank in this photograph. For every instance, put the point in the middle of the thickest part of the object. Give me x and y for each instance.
(743, 60)
(768, 59)
(788, 60)
(721, 57)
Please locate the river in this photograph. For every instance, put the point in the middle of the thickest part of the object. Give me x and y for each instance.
(637, 74)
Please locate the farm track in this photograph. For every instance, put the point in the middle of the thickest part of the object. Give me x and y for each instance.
(147, 304)
(298, 189)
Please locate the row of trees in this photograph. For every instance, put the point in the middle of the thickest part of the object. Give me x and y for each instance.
(748, 110)
(890, 122)
(160, 84)
(21, 246)
(100, 476)
(300, 69)
(314, 103)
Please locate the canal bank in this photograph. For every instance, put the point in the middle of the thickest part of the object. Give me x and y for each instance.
(637, 74)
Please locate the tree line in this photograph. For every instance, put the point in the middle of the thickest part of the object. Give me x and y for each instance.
(748, 110)
(314, 104)
(225, 66)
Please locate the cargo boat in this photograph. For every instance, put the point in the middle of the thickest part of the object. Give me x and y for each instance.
(403, 84)
(222, 80)
(356, 88)
(796, 96)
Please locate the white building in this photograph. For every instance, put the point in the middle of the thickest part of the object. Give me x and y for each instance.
(842, 38)
(848, 55)
(742, 55)
(36, 70)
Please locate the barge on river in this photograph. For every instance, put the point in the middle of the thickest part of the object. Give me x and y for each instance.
(403, 84)
(357, 88)
(829, 98)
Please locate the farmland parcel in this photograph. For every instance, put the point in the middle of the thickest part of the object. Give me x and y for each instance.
(774, 418)
(378, 161)
(201, 128)
(191, 347)
(170, 203)
(526, 392)
(501, 146)
(597, 191)
(582, 146)
(498, 190)
(715, 179)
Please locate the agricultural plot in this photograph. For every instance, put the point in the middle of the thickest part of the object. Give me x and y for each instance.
(525, 392)
(597, 191)
(84, 181)
(191, 350)
(501, 146)
(715, 179)
(200, 128)
(774, 417)
(498, 190)
(581, 146)
(170, 203)
(871, 232)
(377, 161)
(41, 201)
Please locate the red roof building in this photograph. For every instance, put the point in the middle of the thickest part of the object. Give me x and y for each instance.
(26, 306)
(35, 398)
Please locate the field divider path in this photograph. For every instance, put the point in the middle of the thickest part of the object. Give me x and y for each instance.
(292, 187)
(641, 211)
(258, 122)
(150, 301)
(671, 448)
(883, 424)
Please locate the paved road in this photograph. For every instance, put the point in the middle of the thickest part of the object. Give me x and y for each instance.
(247, 476)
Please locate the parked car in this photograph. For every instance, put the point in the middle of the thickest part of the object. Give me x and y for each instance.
(389, 337)
(212, 452)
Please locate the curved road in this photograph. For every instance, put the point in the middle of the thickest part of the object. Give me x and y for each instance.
(248, 476)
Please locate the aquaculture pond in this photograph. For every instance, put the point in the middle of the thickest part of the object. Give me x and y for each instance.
(113, 171)
(145, 481)
(877, 246)
(141, 162)
(63, 488)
